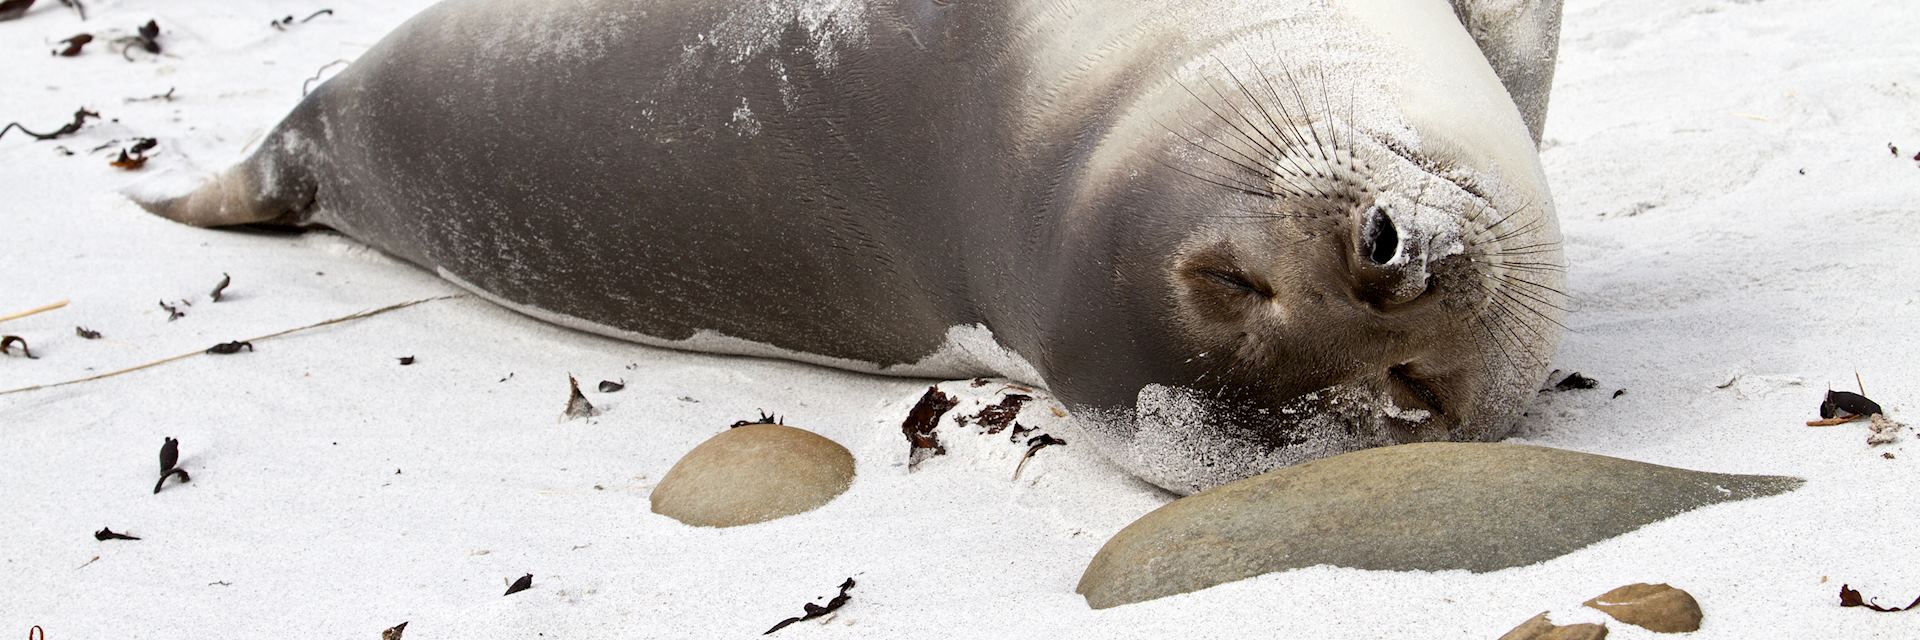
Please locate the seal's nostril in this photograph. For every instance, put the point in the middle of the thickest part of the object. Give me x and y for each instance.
(1382, 238)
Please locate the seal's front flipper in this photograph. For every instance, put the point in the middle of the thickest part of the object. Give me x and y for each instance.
(1521, 39)
(271, 186)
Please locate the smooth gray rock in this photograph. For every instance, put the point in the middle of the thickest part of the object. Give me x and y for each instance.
(1430, 506)
(753, 473)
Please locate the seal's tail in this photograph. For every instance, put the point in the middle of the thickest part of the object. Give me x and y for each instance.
(271, 186)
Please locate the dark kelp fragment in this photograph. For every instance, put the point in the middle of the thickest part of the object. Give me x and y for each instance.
(169, 464)
(86, 334)
(288, 21)
(815, 611)
(1619, 392)
(1839, 403)
(1575, 381)
(229, 348)
(1850, 597)
(225, 280)
(173, 312)
(524, 583)
(1034, 445)
(996, 417)
(108, 534)
(80, 118)
(147, 37)
(7, 342)
(577, 405)
(920, 423)
(129, 162)
(158, 97)
(394, 633)
(609, 386)
(765, 418)
(74, 45)
(10, 9)
(406, 361)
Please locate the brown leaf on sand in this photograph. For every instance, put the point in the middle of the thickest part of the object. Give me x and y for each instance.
(1849, 597)
(1655, 607)
(920, 423)
(394, 633)
(577, 405)
(524, 583)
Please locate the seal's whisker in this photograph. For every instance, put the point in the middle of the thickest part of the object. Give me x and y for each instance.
(1519, 280)
(1272, 146)
(1222, 117)
(1246, 163)
(1514, 295)
(1267, 113)
(1240, 189)
(1536, 267)
(1293, 84)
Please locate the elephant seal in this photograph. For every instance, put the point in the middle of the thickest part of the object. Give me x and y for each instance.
(1228, 234)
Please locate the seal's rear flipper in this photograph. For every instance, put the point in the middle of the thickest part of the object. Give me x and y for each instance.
(271, 186)
(1521, 39)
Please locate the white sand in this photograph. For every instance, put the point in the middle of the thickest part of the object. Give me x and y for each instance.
(1700, 254)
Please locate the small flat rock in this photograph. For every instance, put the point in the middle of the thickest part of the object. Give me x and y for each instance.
(1655, 607)
(753, 473)
(1540, 628)
(1416, 507)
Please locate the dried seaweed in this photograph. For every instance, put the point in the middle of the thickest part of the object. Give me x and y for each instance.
(1847, 403)
(920, 423)
(609, 386)
(86, 334)
(80, 118)
(169, 464)
(996, 417)
(6, 346)
(1850, 597)
(219, 290)
(105, 534)
(283, 23)
(406, 361)
(1034, 445)
(765, 418)
(815, 611)
(74, 45)
(230, 348)
(173, 312)
(524, 583)
(1575, 381)
(394, 633)
(158, 97)
(11, 9)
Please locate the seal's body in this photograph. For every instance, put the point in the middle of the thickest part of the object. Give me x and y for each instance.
(1227, 234)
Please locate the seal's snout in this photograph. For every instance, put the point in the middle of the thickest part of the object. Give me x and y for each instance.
(1386, 266)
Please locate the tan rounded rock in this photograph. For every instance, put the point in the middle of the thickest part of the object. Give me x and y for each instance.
(1655, 607)
(753, 473)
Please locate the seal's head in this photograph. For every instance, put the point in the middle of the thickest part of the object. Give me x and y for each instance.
(1328, 278)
